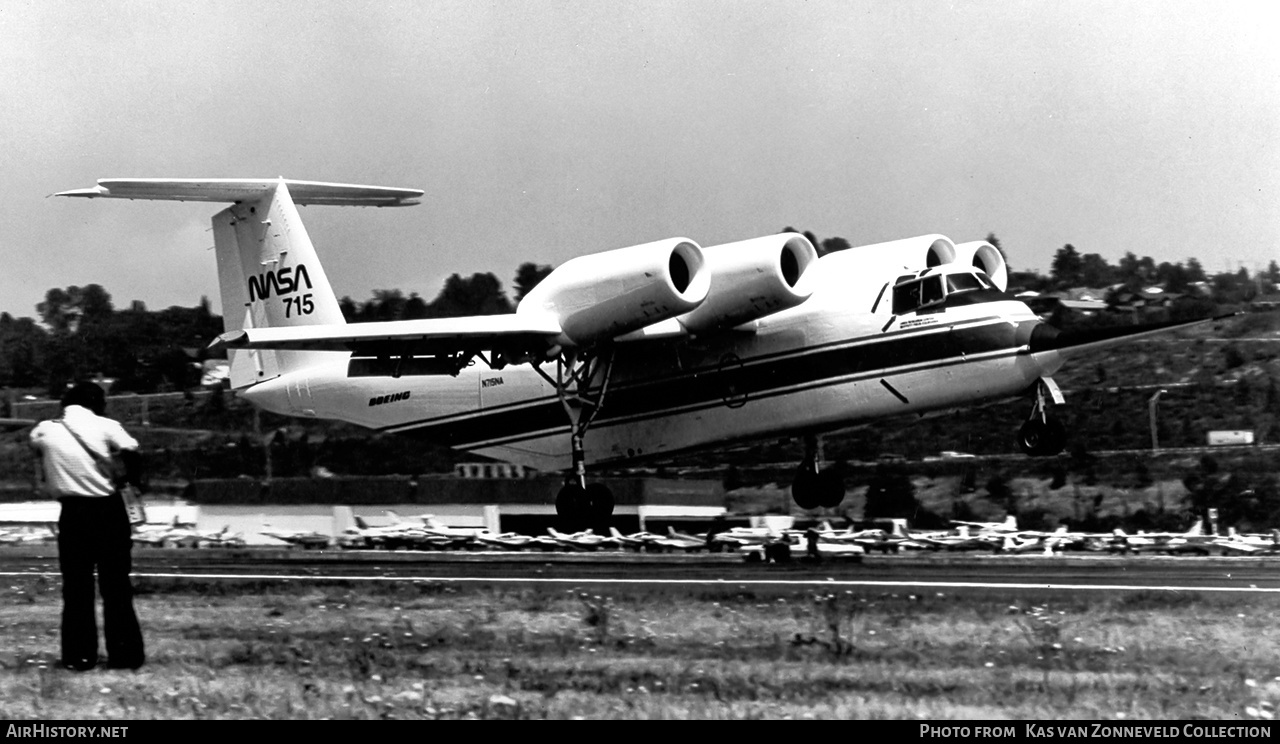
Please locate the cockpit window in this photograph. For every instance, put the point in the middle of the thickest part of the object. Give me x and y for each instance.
(906, 298)
(963, 282)
(911, 296)
(931, 290)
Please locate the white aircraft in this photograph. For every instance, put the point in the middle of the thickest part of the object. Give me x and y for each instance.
(585, 540)
(1235, 543)
(517, 541)
(299, 538)
(1194, 540)
(633, 353)
(1010, 524)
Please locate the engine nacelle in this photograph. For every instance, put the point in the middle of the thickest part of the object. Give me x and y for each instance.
(603, 295)
(751, 279)
(986, 257)
(908, 254)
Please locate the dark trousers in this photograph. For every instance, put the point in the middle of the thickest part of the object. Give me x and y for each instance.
(94, 533)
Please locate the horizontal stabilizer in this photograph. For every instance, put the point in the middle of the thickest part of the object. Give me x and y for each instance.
(403, 337)
(1047, 338)
(235, 190)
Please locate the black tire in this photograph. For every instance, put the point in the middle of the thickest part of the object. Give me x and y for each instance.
(805, 489)
(1042, 438)
(571, 507)
(599, 502)
(830, 489)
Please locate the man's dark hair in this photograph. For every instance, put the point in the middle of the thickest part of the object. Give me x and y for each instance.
(87, 395)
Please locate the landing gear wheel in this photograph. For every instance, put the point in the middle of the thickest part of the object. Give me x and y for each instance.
(1042, 438)
(830, 489)
(804, 489)
(571, 506)
(813, 490)
(599, 503)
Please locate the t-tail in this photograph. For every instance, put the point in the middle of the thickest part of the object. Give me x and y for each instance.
(268, 271)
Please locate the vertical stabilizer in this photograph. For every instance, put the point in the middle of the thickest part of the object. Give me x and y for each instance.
(270, 277)
(268, 271)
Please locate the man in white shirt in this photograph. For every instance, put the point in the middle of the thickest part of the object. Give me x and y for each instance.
(93, 528)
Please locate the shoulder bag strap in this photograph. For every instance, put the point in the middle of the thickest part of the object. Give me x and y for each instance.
(102, 463)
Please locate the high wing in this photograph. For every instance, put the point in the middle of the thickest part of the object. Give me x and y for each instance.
(403, 337)
(1046, 338)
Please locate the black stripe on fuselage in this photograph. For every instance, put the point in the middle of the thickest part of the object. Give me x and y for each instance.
(730, 385)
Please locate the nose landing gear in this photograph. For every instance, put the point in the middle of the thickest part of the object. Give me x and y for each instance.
(1043, 435)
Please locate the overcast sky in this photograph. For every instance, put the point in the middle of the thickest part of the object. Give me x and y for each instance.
(544, 130)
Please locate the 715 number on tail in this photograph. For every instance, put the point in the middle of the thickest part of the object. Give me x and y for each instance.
(299, 306)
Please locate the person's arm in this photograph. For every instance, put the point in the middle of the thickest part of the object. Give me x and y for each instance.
(38, 481)
(134, 471)
(130, 454)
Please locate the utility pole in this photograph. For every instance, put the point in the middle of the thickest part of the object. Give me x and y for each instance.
(1151, 406)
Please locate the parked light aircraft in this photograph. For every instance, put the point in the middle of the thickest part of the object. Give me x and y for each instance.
(516, 541)
(814, 544)
(300, 538)
(584, 540)
(1252, 544)
(1194, 540)
(1010, 524)
(635, 541)
(26, 534)
(652, 349)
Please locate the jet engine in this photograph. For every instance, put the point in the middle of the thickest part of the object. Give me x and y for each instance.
(987, 258)
(908, 254)
(604, 295)
(751, 279)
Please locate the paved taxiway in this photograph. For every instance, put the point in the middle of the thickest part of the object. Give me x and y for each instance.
(622, 571)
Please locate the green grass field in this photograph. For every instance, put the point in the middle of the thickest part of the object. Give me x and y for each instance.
(425, 650)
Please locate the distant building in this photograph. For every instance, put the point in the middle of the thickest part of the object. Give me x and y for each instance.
(1264, 303)
(1235, 436)
(1064, 306)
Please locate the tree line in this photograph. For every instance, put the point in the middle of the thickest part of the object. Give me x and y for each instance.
(78, 332)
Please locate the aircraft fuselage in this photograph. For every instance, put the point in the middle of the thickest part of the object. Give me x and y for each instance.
(841, 359)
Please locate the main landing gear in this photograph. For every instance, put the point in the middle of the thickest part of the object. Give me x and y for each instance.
(1043, 435)
(814, 487)
(579, 504)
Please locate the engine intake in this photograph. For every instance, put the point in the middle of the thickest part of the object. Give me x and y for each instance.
(986, 258)
(751, 279)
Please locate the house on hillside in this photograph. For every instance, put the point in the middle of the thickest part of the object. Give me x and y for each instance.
(1265, 303)
(1066, 306)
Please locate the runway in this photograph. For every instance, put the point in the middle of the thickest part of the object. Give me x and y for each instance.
(962, 573)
